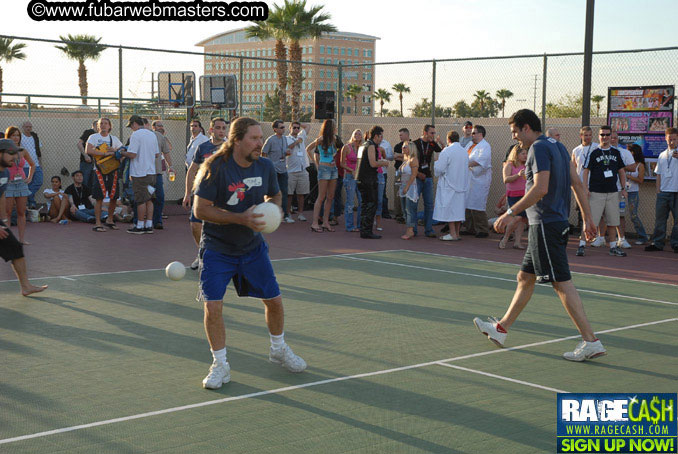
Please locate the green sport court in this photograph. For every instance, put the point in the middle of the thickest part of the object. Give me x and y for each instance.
(113, 364)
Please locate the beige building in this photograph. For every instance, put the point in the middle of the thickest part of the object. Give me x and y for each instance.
(260, 77)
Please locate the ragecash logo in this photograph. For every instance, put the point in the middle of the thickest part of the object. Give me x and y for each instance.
(624, 423)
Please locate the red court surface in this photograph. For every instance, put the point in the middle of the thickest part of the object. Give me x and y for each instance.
(63, 250)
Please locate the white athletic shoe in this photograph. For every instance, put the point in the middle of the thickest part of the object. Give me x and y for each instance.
(287, 359)
(586, 350)
(622, 243)
(196, 263)
(289, 220)
(301, 217)
(447, 237)
(599, 242)
(220, 373)
(491, 328)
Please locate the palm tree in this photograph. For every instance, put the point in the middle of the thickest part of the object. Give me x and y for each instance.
(353, 91)
(503, 94)
(9, 52)
(301, 24)
(81, 48)
(274, 28)
(383, 96)
(597, 100)
(482, 97)
(400, 89)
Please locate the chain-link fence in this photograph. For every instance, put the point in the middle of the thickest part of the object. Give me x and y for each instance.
(46, 87)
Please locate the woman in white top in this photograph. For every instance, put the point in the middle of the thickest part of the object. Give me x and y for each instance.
(408, 187)
(57, 202)
(633, 180)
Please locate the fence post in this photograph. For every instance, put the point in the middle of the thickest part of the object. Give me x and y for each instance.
(340, 97)
(120, 94)
(543, 96)
(240, 85)
(433, 95)
(28, 98)
(99, 107)
(588, 64)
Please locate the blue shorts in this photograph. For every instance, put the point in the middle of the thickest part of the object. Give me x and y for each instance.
(192, 218)
(327, 172)
(252, 274)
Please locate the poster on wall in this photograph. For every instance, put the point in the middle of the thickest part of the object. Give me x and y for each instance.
(641, 115)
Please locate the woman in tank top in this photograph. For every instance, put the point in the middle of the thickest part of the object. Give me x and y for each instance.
(408, 187)
(349, 159)
(514, 179)
(325, 150)
(633, 181)
(17, 191)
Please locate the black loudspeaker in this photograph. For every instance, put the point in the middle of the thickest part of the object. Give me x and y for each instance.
(324, 105)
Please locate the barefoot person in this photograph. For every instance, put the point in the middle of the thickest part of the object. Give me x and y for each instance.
(11, 249)
(549, 175)
(228, 186)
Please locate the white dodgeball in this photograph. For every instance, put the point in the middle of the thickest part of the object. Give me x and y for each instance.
(272, 216)
(175, 271)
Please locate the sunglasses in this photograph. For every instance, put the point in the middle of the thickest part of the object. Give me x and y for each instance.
(295, 127)
(604, 135)
(10, 152)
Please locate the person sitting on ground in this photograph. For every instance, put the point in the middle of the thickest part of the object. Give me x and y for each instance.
(81, 203)
(57, 202)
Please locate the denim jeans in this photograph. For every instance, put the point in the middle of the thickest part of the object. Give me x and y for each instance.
(337, 203)
(380, 192)
(632, 208)
(159, 200)
(87, 171)
(666, 202)
(384, 202)
(87, 215)
(411, 214)
(284, 189)
(36, 184)
(425, 189)
(351, 194)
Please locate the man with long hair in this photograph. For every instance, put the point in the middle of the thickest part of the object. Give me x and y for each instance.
(11, 250)
(228, 186)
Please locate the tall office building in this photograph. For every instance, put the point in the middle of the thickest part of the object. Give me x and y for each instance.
(260, 77)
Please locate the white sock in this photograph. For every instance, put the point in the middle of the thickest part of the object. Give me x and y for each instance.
(277, 341)
(219, 355)
(149, 224)
(140, 224)
(582, 243)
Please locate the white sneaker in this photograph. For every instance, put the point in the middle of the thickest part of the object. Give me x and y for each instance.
(447, 237)
(599, 242)
(196, 263)
(639, 242)
(289, 220)
(301, 218)
(492, 330)
(287, 359)
(622, 243)
(586, 350)
(220, 373)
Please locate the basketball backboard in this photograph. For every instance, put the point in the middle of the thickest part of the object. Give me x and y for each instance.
(219, 91)
(176, 88)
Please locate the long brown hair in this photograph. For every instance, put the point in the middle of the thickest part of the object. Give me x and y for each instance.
(513, 156)
(11, 130)
(237, 132)
(327, 134)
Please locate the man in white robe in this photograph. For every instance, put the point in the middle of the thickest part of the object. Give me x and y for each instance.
(452, 170)
(480, 163)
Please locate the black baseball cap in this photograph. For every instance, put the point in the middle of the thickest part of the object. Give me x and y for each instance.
(9, 146)
(135, 119)
(468, 123)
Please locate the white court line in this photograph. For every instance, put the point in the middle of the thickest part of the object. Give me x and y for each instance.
(162, 269)
(307, 385)
(483, 276)
(500, 377)
(507, 263)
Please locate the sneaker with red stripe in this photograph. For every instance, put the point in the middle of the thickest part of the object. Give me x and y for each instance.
(492, 329)
(586, 350)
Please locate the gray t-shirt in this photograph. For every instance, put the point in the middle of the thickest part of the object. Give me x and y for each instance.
(465, 141)
(275, 149)
(547, 154)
